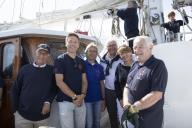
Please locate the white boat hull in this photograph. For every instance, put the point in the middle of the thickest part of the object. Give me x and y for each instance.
(178, 106)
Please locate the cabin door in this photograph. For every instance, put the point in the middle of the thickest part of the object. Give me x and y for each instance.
(9, 65)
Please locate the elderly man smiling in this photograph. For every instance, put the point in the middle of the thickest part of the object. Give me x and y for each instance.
(146, 83)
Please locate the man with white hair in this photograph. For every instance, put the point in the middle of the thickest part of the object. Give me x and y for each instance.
(109, 62)
(146, 84)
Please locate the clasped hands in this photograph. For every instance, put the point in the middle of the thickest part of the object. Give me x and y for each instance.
(131, 108)
(79, 100)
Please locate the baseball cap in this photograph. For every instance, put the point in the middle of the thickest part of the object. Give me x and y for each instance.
(43, 47)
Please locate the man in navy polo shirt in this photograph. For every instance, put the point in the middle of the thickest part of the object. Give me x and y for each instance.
(1, 90)
(71, 80)
(146, 83)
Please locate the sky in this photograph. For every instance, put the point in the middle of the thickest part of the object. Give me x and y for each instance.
(13, 10)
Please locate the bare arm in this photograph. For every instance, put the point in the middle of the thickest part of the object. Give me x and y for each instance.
(103, 106)
(80, 98)
(148, 100)
(84, 84)
(125, 97)
(63, 86)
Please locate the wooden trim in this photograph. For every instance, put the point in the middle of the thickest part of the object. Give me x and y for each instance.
(16, 63)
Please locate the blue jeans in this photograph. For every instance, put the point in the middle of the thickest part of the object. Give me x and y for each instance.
(93, 114)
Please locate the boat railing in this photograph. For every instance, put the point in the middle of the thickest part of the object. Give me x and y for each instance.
(182, 36)
(172, 37)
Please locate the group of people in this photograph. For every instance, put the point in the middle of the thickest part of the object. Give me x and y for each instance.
(83, 88)
(77, 85)
(134, 82)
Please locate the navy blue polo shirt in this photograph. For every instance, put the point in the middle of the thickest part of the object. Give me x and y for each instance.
(95, 74)
(72, 70)
(151, 76)
(130, 17)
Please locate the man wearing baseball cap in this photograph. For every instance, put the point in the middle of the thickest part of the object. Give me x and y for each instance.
(33, 91)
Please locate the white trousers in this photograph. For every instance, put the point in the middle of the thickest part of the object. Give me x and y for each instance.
(72, 116)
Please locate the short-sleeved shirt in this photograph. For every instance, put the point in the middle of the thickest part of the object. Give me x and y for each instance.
(95, 74)
(151, 76)
(1, 83)
(72, 70)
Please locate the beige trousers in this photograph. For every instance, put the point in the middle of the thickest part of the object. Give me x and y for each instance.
(21, 122)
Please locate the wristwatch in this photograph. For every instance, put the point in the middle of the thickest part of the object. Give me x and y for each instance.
(74, 97)
(83, 93)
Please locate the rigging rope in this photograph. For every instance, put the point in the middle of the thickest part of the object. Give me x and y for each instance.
(2, 3)
(115, 26)
(101, 28)
(40, 3)
(13, 12)
(115, 29)
(184, 19)
(21, 8)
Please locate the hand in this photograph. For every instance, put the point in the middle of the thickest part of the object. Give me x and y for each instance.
(103, 106)
(161, 25)
(184, 13)
(126, 107)
(110, 11)
(79, 100)
(133, 109)
(46, 108)
(130, 115)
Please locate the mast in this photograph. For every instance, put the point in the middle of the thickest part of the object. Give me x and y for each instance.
(152, 19)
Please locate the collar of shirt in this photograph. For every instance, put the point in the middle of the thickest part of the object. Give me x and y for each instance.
(37, 66)
(92, 64)
(147, 62)
(109, 58)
